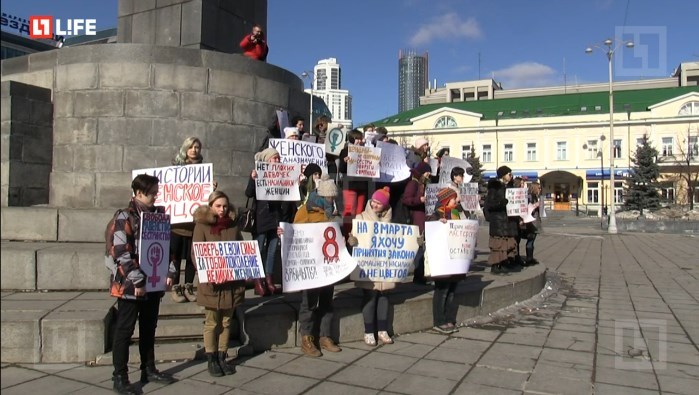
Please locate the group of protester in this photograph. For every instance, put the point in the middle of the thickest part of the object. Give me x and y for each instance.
(320, 202)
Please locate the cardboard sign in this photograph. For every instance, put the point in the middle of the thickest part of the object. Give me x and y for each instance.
(448, 163)
(431, 197)
(392, 166)
(222, 261)
(309, 138)
(182, 188)
(470, 200)
(154, 249)
(302, 152)
(277, 181)
(434, 165)
(516, 202)
(282, 119)
(363, 161)
(335, 141)
(385, 251)
(449, 246)
(313, 256)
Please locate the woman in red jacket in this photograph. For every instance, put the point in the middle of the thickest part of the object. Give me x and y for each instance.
(414, 200)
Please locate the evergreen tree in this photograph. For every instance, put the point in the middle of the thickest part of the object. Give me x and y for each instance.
(643, 189)
(476, 168)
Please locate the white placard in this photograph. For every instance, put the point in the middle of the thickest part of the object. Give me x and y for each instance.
(363, 161)
(447, 164)
(470, 200)
(154, 249)
(182, 188)
(449, 246)
(334, 141)
(313, 256)
(303, 152)
(221, 261)
(434, 165)
(282, 119)
(516, 202)
(277, 181)
(393, 167)
(385, 251)
(431, 197)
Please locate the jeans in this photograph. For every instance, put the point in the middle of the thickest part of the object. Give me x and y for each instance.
(181, 248)
(269, 244)
(443, 307)
(146, 311)
(530, 246)
(316, 304)
(374, 310)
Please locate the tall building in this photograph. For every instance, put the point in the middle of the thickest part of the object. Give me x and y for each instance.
(412, 79)
(327, 85)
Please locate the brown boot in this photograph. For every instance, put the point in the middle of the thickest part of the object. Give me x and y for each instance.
(328, 344)
(270, 285)
(308, 346)
(259, 289)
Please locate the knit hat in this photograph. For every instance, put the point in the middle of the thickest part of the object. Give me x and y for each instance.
(266, 154)
(444, 195)
(291, 131)
(326, 187)
(423, 168)
(382, 196)
(502, 170)
(312, 169)
(420, 141)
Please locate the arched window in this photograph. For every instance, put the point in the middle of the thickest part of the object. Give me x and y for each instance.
(691, 108)
(445, 122)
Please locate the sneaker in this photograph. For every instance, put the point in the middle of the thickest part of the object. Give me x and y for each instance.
(385, 338)
(177, 294)
(369, 339)
(452, 327)
(189, 293)
(442, 329)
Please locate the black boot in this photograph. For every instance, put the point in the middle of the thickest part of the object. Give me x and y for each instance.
(123, 386)
(213, 366)
(151, 374)
(225, 367)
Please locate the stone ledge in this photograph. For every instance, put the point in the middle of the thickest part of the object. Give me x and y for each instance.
(29, 223)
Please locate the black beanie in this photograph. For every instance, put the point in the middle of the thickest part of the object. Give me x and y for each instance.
(502, 170)
(311, 169)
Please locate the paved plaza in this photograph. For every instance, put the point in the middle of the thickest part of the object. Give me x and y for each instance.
(620, 315)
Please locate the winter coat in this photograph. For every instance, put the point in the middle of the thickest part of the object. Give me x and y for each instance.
(496, 205)
(269, 213)
(369, 215)
(223, 296)
(411, 199)
(252, 50)
(122, 258)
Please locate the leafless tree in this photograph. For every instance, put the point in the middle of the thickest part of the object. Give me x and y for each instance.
(687, 163)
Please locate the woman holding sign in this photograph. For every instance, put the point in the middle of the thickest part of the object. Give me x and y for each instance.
(216, 222)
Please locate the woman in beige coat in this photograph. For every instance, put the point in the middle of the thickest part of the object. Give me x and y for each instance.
(375, 300)
(217, 222)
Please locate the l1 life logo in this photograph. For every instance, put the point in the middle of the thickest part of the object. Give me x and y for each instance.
(42, 26)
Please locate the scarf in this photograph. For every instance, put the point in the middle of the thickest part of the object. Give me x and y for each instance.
(221, 224)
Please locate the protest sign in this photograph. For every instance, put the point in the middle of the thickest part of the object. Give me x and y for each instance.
(393, 167)
(182, 188)
(154, 249)
(309, 138)
(363, 161)
(370, 139)
(221, 261)
(277, 181)
(334, 141)
(313, 256)
(516, 201)
(431, 197)
(449, 246)
(303, 152)
(283, 119)
(385, 251)
(470, 200)
(434, 165)
(447, 164)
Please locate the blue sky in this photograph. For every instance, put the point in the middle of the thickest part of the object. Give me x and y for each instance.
(521, 43)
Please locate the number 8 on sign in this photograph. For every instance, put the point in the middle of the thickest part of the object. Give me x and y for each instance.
(331, 250)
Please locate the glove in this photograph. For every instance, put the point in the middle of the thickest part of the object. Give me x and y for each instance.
(421, 241)
(352, 241)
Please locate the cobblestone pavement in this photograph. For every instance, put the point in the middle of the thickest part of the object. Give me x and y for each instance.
(619, 315)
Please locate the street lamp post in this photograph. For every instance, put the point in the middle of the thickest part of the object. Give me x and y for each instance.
(611, 48)
(310, 76)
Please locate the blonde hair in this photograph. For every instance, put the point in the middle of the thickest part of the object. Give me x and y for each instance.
(181, 158)
(215, 195)
(534, 185)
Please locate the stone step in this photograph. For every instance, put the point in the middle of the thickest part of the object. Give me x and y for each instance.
(178, 328)
(54, 224)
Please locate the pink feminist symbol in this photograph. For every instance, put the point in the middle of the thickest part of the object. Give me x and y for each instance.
(155, 255)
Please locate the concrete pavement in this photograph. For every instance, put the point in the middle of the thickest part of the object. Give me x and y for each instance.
(622, 317)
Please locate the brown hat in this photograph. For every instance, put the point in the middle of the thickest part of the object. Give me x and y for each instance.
(444, 195)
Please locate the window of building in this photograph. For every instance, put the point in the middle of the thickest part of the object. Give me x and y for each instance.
(561, 150)
(618, 192)
(617, 148)
(696, 195)
(639, 142)
(668, 194)
(667, 146)
(592, 192)
(509, 154)
(693, 147)
(487, 153)
(465, 151)
(445, 122)
(691, 108)
(591, 149)
(531, 152)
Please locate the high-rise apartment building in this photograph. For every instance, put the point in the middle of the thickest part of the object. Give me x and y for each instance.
(412, 79)
(327, 85)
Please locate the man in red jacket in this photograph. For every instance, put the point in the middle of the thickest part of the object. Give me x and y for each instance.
(254, 44)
